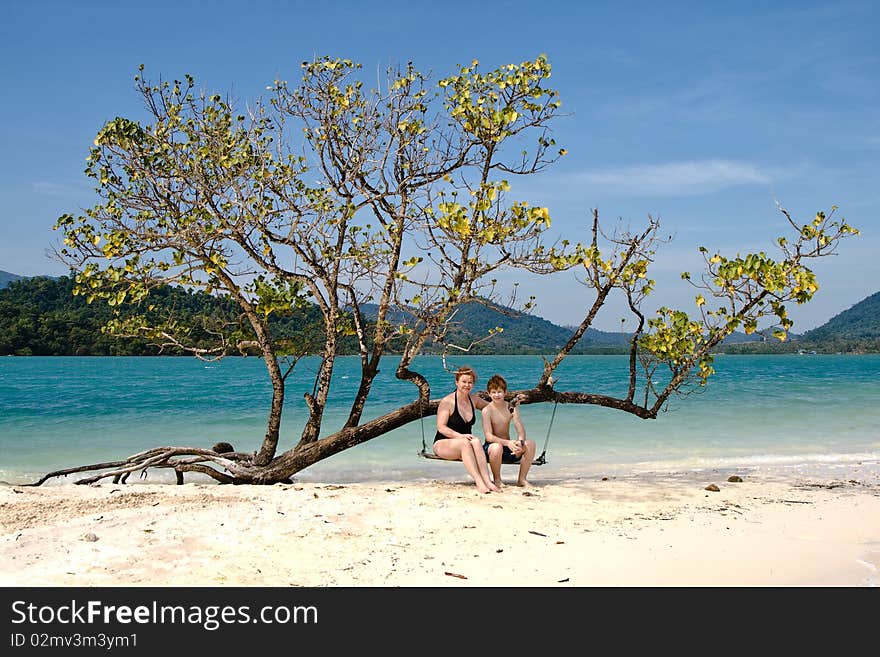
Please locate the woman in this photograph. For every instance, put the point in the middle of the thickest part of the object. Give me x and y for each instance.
(454, 441)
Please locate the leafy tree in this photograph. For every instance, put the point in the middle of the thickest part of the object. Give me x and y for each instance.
(398, 197)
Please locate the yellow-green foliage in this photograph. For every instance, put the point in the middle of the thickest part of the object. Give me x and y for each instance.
(488, 106)
(747, 289)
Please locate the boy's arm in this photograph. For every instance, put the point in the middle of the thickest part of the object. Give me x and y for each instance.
(518, 425)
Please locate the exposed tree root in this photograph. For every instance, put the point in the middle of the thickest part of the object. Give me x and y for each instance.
(237, 467)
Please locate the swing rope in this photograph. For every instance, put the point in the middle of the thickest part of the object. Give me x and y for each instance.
(541, 460)
(424, 451)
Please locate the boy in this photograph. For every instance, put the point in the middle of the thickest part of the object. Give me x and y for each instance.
(497, 417)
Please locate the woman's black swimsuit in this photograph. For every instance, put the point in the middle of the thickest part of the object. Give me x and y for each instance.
(457, 423)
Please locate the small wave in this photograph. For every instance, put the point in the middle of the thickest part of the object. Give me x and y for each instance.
(813, 462)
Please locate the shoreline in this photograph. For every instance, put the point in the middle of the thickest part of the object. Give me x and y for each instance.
(406, 468)
(770, 529)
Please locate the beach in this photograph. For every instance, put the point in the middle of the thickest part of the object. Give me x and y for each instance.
(654, 529)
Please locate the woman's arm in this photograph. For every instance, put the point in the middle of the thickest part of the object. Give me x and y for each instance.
(479, 402)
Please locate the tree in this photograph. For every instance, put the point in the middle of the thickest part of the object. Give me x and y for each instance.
(398, 198)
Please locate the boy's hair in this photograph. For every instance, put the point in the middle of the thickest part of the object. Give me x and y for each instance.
(461, 371)
(496, 382)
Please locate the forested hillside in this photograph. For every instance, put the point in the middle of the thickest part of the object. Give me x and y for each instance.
(40, 316)
(860, 321)
(6, 278)
(856, 330)
(523, 334)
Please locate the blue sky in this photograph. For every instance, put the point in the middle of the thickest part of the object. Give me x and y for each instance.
(704, 114)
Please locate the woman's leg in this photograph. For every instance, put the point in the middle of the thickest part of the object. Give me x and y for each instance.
(482, 465)
(459, 449)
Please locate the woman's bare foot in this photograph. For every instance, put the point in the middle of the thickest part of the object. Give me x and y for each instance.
(485, 486)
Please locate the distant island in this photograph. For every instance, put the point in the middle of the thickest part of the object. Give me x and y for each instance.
(40, 316)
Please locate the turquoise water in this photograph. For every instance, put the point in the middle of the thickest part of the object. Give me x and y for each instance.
(758, 412)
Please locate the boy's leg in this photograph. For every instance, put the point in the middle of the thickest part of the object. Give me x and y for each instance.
(496, 452)
(526, 463)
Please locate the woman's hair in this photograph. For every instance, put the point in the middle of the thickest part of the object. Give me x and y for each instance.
(461, 371)
(496, 382)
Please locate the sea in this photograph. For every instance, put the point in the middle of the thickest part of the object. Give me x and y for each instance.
(811, 414)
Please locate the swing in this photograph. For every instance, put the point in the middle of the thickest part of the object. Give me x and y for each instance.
(540, 460)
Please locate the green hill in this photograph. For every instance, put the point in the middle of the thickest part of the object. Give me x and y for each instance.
(6, 278)
(523, 333)
(856, 330)
(40, 316)
(861, 321)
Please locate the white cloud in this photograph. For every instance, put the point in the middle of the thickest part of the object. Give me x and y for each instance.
(53, 189)
(675, 178)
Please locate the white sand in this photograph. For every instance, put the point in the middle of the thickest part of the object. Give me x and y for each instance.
(633, 531)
